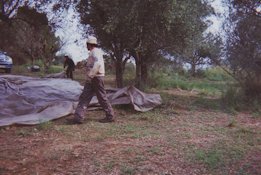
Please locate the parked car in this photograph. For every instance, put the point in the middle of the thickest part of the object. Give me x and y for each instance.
(6, 62)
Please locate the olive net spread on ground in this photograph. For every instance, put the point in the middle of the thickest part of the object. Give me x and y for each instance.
(28, 101)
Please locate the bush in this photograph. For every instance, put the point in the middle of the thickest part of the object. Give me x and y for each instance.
(175, 80)
(54, 69)
(217, 74)
(235, 98)
(252, 88)
(39, 62)
(232, 98)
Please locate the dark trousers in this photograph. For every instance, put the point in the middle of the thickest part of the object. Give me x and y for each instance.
(94, 87)
(69, 73)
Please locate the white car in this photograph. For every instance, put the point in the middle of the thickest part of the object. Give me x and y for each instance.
(6, 62)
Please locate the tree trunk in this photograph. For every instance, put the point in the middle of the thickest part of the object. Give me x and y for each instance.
(47, 65)
(144, 71)
(138, 70)
(193, 70)
(193, 66)
(141, 70)
(119, 73)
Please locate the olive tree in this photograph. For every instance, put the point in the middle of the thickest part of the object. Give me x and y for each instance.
(142, 29)
(244, 45)
(29, 36)
(202, 51)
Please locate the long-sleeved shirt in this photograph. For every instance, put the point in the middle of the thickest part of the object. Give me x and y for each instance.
(95, 64)
(69, 62)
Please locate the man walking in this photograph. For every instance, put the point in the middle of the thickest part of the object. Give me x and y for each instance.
(69, 66)
(95, 72)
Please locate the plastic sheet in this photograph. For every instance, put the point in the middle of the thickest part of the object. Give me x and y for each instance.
(29, 101)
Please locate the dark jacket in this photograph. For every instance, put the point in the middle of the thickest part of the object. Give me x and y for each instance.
(69, 62)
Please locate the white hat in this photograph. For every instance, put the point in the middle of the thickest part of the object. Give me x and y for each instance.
(92, 40)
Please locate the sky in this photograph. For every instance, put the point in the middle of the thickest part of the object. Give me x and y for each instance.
(74, 37)
(71, 33)
(221, 13)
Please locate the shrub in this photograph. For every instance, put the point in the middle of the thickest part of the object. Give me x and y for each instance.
(217, 74)
(54, 69)
(232, 98)
(236, 98)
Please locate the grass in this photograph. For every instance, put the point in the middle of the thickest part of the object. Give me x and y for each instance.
(127, 170)
(205, 86)
(139, 142)
(55, 69)
(24, 132)
(190, 133)
(109, 166)
(217, 74)
(23, 70)
(256, 114)
(220, 156)
(132, 130)
(45, 125)
(224, 153)
(201, 102)
(212, 158)
(213, 81)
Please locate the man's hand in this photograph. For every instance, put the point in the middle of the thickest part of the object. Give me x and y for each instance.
(65, 68)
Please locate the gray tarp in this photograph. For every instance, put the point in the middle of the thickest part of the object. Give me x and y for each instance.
(29, 101)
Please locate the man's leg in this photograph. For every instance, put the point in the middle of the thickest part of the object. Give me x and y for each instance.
(67, 73)
(84, 101)
(71, 74)
(102, 97)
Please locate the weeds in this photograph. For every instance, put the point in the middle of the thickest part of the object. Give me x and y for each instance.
(227, 152)
(244, 170)
(256, 108)
(212, 158)
(154, 116)
(24, 132)
(231, 98)
(206, 103)
(139, 141)
(155, 151)
(232, 123)
(109, 166)
(212, 84)
(234, 99)
(45, 125)
(23, 70)
(256, 115)
(127, 170)
(54, 69)
(128, 150)
(139, 158)
(217, 74)
(166, 81)
(62, 129)
(219, 157)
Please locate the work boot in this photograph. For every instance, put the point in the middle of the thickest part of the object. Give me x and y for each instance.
(77, 119)
(106, 120)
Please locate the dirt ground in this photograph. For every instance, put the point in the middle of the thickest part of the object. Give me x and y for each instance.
(190, 134)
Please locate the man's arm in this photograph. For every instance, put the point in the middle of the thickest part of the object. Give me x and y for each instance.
(94, 68)
(65, 64)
